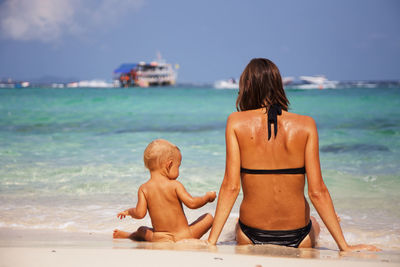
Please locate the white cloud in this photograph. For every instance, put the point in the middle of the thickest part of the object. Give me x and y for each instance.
(48, 20)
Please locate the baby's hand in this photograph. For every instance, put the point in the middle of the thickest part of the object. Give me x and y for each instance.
(211, 196)
(123, 214)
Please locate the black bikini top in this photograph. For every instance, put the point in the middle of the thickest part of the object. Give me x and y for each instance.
(301, 170)
(273, 113)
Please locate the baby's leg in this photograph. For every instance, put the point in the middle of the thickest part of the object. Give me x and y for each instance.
(143, 233)
(121, 234)
(201, 225)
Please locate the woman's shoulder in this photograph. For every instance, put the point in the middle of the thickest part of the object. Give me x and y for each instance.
(233, 120)
(299, 117)
(235, 115)
(239, 117)
(306, 122)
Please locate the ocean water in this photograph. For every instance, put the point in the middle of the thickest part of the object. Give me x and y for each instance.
(71, 159)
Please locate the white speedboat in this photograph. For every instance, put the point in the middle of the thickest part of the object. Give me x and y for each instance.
(233, 83)
(227, 84)
(287, 80)
(316, 82)
(95, 84)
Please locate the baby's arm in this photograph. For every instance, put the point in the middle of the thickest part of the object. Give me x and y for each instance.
(193, 202)
(141, 208)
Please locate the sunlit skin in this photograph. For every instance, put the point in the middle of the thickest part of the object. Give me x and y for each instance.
(275, 202)
(162, 196)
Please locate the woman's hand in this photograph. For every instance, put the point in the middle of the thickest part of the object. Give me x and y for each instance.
(361, 247)
(123, 214)
(211, 247)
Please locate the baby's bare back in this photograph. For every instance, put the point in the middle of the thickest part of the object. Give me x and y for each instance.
(165, 208)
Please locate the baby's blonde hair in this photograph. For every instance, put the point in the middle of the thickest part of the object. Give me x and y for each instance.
(158, 152)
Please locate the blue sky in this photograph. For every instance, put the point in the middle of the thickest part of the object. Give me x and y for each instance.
(211, 40)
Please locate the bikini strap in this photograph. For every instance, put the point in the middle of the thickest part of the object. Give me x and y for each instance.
(273, 113)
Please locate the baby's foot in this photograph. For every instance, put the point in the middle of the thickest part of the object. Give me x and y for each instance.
(120, 234)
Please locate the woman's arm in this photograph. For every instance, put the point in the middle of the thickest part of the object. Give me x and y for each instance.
(319, 194)
(230, 187)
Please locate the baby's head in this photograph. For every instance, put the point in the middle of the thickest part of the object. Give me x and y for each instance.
(161, 154)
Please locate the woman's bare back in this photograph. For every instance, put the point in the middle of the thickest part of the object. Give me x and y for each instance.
(272, 201)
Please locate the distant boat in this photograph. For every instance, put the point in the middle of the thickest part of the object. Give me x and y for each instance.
(232, 83)
(14, 84)
(88, 84)
(287, 80)
(316, 82)
(142, 74)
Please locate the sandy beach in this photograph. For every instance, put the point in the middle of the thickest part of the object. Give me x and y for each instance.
(86, 86)
(55, 248)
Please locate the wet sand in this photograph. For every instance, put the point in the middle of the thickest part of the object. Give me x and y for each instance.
(55, 248)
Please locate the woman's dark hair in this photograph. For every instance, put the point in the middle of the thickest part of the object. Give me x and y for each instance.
(261, 86)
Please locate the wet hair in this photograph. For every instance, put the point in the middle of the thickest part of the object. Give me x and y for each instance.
(261, 86)
(158, 152)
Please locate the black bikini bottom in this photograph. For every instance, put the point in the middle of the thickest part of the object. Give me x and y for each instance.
(289, 238)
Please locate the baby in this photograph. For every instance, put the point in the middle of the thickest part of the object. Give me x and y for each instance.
(162, 196)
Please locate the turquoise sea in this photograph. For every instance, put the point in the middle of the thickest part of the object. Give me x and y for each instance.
(71, 159)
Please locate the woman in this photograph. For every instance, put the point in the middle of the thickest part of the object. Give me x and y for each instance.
(269, 150)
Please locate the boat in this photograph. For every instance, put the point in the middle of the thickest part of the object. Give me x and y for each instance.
(316, 82)
(89, 84)
(232, 83)
(14, 84)
(142, 74)
(287, 80)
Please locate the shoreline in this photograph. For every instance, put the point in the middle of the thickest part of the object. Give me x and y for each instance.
(105, 257)
(52, 247)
